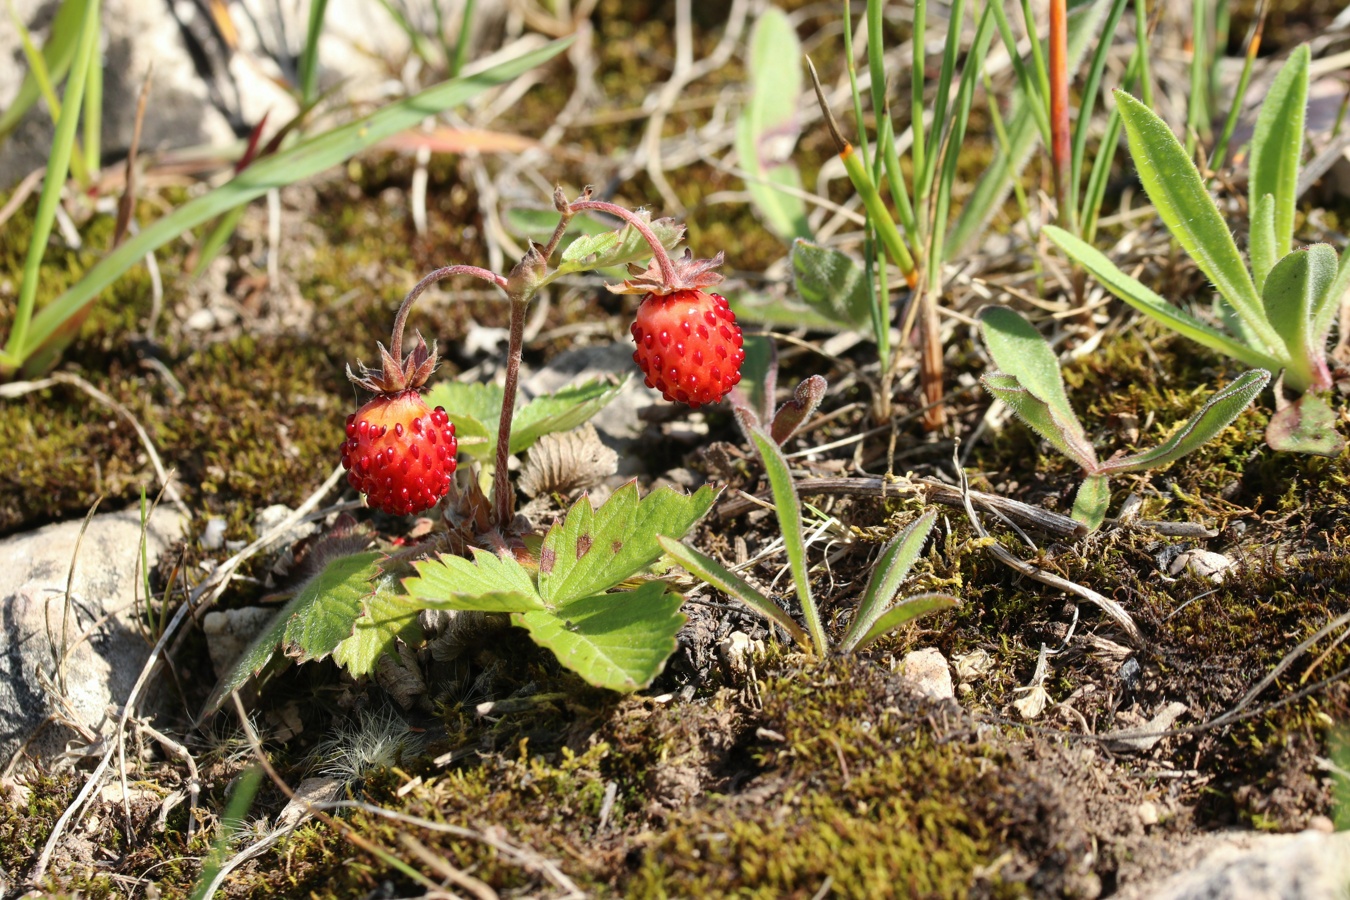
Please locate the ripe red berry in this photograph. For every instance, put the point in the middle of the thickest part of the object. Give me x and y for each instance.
(689, 346)
(399, 453)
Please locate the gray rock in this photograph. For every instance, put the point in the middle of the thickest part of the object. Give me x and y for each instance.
(104, 648)
(1310, 865)
(927, 669)
(230, 631)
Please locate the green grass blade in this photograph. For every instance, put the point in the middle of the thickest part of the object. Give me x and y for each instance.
(1216, 158)
(700, 565)
(1023, 131)
(918, 76)
(1196, 115)
(57, 55)
(93, 114)
(1141, 47)
(1089, 98)
(1106, 152)
(1025, 82)
(1037, 50)
(1174, 186)
(1217, 414)
(887, 233)
(888, 573)
(461, 54)
(299, 162)
(1277, 145)
(789, 510)
(309, 57)
(58, 165)
(923, 180)
(1146, 301)
(954, 143)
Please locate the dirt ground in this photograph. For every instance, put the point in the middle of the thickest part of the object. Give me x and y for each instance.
(765, 775)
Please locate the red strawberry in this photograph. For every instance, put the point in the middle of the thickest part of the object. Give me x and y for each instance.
(689, 346)
(688, 342)
(399, 453)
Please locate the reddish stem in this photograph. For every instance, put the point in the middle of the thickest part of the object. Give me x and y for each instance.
(1059, 110)
(658, 249)
(503, 498)
(396, 338)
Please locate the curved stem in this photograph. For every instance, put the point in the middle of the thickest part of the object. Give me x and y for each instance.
(503, 506)
(396, 338)
(658, 249)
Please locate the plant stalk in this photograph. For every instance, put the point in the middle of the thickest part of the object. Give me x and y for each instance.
(503, 499)
(659, 253)
(396, 336)
(1060, 153)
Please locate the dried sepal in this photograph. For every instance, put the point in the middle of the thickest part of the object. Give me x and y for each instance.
(690, 275)
(394, 375)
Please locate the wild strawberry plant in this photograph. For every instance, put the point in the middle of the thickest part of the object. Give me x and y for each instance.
(579, 589)
(1275, 313)
(1031, 385)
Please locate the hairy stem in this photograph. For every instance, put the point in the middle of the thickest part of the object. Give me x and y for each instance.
(658, 249)
(396, 338)
(503, 498)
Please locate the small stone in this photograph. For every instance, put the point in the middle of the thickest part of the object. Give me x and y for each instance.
(1322, 824)
(736, 650)
(213, 535)
(927, 670)
(269, 517)
(1202, 564)
(1148, 813)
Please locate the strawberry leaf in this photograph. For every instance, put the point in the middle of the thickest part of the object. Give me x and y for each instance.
(615, 248)
(618, 641)
(833, 283)
(321, 615)
(591, 551)
(489, 583)
(560, 411)
(389, 616)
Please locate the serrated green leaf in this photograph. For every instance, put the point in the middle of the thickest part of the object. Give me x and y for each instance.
(734, 586)
(1308, 425)
(769, 125)
(489, 583)
(389, 615)
(1146, 301)
(904, 612)
(832, 283)
(320, 616)
(1218, 412)
(889, 571)
(560, 411)
(1189, 212)
(1292, 291)
(1261, 243)
(1091, 501)
(619, 641)
(1040, 418)
(591, 551)
(1277, 146)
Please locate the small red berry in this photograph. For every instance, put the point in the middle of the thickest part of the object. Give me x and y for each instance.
(399, 453)
(688, 345)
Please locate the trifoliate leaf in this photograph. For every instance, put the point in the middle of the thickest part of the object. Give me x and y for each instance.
(389, 616)
(619, 641)
(591, 551)
(489, 583)
(320, 616)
